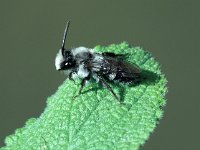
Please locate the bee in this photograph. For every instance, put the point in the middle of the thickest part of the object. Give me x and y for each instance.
(86, 64)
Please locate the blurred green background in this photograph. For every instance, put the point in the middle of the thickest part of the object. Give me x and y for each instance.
(31, 34)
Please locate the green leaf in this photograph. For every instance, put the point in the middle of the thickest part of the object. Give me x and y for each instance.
(95, 119)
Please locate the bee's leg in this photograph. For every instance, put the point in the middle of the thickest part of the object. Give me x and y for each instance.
(82, 85)
(70, 77)
(109, 88)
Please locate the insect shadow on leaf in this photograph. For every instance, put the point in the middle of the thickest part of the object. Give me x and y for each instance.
(146, 78)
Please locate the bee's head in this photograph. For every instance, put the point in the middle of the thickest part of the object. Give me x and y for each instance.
(64, 59)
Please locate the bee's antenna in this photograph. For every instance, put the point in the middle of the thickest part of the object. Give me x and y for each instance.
(64, 37)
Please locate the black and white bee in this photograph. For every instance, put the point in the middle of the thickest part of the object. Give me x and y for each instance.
(86, 64)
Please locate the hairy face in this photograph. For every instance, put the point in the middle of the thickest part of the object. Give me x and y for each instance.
(64, 60)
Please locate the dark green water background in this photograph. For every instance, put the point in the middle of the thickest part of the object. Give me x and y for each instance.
(31, 34)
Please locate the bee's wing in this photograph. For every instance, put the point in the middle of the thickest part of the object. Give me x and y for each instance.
(124, 68)
(113, 55)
